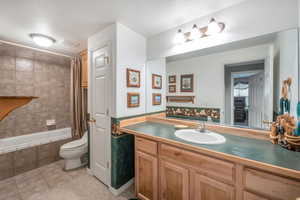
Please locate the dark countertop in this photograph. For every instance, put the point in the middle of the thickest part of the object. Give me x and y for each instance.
(252, 149)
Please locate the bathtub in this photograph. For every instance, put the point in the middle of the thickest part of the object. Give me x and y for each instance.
(12, 144)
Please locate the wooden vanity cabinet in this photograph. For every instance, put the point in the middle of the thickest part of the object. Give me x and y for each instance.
(166, 172)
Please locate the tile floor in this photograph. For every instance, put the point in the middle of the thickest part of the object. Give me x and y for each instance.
(50, 182)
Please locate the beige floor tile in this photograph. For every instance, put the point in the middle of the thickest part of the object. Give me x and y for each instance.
(8, 189)
(12, 197)
(51, 182)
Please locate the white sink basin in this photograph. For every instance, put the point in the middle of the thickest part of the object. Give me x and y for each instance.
(195, 136)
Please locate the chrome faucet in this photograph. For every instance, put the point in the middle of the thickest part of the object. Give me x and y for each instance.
(201, 128)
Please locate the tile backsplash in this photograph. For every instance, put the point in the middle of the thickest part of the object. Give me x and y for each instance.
(25, 72)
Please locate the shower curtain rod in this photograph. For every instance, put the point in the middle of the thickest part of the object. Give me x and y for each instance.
(36, 49)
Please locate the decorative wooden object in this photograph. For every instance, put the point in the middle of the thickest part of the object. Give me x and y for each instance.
(283, 129)
(181, 99)
(84, 69)
(172, 79)
(131, 102)
(10, 103)
(133, 78)
(156, 99)
(285, 88)
(282, 132)
(172, 88)
(156, 81)
(187, 83)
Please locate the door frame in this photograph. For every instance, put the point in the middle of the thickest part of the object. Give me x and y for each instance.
(263, 60)
(107, 44)
(232, 92)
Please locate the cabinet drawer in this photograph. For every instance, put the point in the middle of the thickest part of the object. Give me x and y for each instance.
(271, 185)
(147, 146)
(211, 167)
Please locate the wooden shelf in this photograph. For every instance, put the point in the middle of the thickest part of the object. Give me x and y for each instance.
(10, 103)
(181, 99)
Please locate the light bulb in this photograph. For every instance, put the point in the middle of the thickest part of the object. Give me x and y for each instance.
(42, 40)
(195, 33)
(213, 27)
(179, 38)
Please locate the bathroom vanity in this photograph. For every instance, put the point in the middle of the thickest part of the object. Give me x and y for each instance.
(242, 168)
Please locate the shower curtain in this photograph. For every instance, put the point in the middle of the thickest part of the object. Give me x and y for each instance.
(78, 99)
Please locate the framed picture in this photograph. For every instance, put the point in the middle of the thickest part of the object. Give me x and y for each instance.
(172, 79)
(133, 78)
(133, 100)
(187, 83)
(156, 81)
(172, 88)
(156, 99)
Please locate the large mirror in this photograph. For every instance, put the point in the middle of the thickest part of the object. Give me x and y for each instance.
(237, 84)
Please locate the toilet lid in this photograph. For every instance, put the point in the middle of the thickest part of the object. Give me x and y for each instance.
(74, 144)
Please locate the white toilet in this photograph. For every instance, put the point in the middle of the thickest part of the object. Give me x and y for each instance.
(73, 151)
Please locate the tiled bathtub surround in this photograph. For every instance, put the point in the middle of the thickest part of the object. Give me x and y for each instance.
(24, 72)
(12, 144)
(24, 160)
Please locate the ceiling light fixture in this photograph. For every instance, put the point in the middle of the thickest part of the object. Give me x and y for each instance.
(195, 33)
(42, 40)
(179, 38)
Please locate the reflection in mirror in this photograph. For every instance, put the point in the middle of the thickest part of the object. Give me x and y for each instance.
(236, 84)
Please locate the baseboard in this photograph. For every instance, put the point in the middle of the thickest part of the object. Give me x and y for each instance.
(124, 187)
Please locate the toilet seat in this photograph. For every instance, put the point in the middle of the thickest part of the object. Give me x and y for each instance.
(73, 145)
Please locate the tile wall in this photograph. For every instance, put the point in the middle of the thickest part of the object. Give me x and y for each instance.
(25, 72)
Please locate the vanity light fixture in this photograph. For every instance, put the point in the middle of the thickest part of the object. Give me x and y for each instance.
(212, 28)
(195, 33)
(180, 37)
(42, 40)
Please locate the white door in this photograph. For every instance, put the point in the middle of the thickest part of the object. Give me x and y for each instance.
(256, 99)
(100, 129)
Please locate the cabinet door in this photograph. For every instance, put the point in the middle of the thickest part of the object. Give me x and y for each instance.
(146, 176)
(250, 196)
(205, 188)
(174, 181)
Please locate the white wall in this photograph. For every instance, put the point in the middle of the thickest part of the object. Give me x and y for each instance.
(130, 53)
(156, 67)
(209, 83)
(245, 20)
